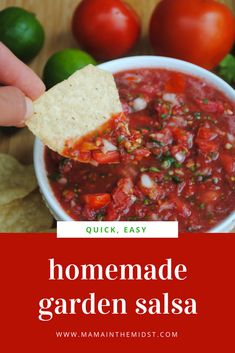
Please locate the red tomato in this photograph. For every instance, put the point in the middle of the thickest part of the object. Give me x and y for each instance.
(97, 201)
(106, 158)
(107, 29)
(198, 31)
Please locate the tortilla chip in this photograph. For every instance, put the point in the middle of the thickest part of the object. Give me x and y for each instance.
(16, 180)
(29, 214)
(75, 107)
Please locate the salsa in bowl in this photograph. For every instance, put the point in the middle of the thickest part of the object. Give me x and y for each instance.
(178, 165)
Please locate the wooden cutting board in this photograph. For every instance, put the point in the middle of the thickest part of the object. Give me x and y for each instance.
(55, 16)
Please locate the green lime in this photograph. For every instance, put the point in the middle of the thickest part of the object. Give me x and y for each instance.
(21, 32)
(64, 63)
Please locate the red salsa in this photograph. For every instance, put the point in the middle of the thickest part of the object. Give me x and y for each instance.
(111, 143)
(175, 160)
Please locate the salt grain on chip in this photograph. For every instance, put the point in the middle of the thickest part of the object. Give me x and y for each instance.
(75, 107)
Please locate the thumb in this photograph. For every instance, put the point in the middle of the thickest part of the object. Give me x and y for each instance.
(15, 108)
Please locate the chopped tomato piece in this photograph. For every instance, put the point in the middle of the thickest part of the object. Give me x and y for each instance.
(123, 199)
(210, 196)
(176, 83)
(181, 206)
(68, 195)
(209, 106)
(206, 146)
(141, 153)
(88, 146)
(106, 158)
(97, 201)
(182, 137)
(141, 118)
(228, 163)
(206, 133)
(84, 157)
(111, 214)
(122, 195)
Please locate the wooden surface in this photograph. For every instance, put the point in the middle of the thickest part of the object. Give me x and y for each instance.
(55, 16)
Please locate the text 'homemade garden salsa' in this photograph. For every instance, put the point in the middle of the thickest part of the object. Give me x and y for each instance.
(175, 160)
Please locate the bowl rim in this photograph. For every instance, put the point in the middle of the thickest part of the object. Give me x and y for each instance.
(119, 65)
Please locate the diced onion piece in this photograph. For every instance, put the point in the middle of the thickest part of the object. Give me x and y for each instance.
(108, 146)
(72, 203)
(228, 146)
(229, 112)
(170, 97)
(94, 163)
(180, 156)
(139, 104)
(231, 137)
(133, 198)
(153, 217)
(62, 181)
(146, 181)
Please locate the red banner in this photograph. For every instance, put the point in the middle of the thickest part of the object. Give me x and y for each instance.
(25, 273)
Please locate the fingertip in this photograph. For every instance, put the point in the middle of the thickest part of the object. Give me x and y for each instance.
(37, 89)
(15, 107)
(29, 109)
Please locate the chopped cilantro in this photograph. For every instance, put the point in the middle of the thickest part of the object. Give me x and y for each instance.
(146, 201)
(54, 176)
(169, 161)
(215, 180)
(166, 164)
(167, 177)
(193, 168)
(154, 169)
(120, 138)
(176, 179)
(197, 115)
(159, 143)
(177, 164)
(99, 217)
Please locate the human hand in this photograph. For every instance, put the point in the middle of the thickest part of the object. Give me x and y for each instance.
(20, 85)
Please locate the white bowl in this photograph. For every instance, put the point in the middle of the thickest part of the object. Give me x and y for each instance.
(127, 64)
